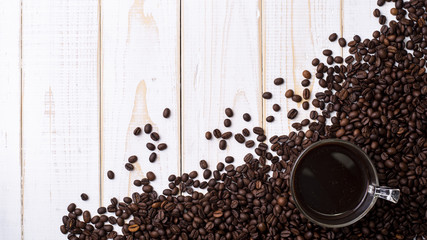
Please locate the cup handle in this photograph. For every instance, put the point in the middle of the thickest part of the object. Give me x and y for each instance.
(389, 194)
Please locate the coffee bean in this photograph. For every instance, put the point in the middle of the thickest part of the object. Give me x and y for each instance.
(84, 197)
(306, 74)
(229, 112)
(327, 52)
(229, 159)
(137, 131)
(166, 113)
(289, 93)
(193, 174)
(86, 216)
(377, 13)
(162, 146)
(276, 107)
(147, 188)
(305, 105)
(247, 117)
(208, 135)
(148, 128)
(222, 144)
(129, 166)
(71, 207)
(296, 98)
(306, 94)
(207, 174)
(102, 210)
(133, 159)
(315, 62)
(217, 133)
(279, 81)
(226, 135)
(342, 42)
(152, 158)
(258, 130)
(333, 37)
(110, 174)
(249, 144)
(269, 119)
(154, 136)
(382, 19)
(227, 122)
(239, 138)
(246, 132)
(267, 95)
(137, 183)
(292, 113)
(305, 83)
(151, 176)
(150, 146)
(203, 164)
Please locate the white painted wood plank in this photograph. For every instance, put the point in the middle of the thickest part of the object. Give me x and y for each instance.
(140, 77)
(221, 64)
(10, 121)
(295, 32)
(60, 112)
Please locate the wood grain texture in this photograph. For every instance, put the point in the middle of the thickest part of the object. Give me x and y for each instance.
(140, 77)
(221, 67)
(60, 112)
(10, 121)
(295, 32)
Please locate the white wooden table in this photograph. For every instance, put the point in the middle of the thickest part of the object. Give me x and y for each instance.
(77, 76)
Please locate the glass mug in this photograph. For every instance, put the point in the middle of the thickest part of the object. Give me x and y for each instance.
(335, 184)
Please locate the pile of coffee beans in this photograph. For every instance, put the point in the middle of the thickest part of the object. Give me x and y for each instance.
(376, 98)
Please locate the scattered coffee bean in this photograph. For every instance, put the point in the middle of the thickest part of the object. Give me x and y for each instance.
(154, 136)
(166, 113)
(162, 146)
(217, 133)
(207, 174)
(289, 93)
(133, 159)
(129, 166)
(84, 196)
(208, 135)
(342, 42)
(239, 138)
(246, 132)
(137, 131)
(269, 119)
(229, 159)
(296, 98)
(229, 112)
(327, 52)
(333, 37)
(222, 144)
(150, 146)
(267, 95)
(203, 164)
(306, 74)
(305, 83)
(226, 135)
(227, 122)
(148, 128)
(153, 157)
(151, 176)
(292, 113)
(110, 174)
(305, 105)
(306, 93)
(249, 144)
(247, 117)
(276, 107)
(279, 81)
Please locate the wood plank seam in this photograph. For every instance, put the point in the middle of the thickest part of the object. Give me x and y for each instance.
(101, 127)
(21, 160)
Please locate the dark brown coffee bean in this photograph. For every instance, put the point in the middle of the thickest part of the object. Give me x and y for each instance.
(102, 210)
(137, 131)
(147, 188)
(129, 166)
(137, 182)
(342, 42)
(327, 52)
(276, 107)
(151, 176)
(333, 37)
(110, 174)
(247, 117)
(239, 138)
(258, 130)
(84, 197)
(208, 135)
(306, 74)
(306, 93)
(203, 164)
(153, 157)
(222, 144)
(382, 19)
(289, 93)
(229, 112)
(166, 113)
(207, 174)
(305, 83)
(229, 159)
(246, 132)
(133, 159)
(193, 174)
(292, 113)
(154, 136)
(148, 128)
(249, 144)
(150, 146)
(377, 13)
(279, 81)
(315, 62)
(269, 119)
(261, 138)
(267, 95)
(226, 135)
(86, 216)
(296, 98)
(162, 146)
(217, 133)
(305, 105)
(227, 122)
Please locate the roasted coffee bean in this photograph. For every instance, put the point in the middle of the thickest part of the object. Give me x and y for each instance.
(306, 74)
(226, 135)
(102, 210)
(227, 122)
(203, 164)
(150, 146)
(129, 166)
(267, 95)
(151, 176)
(208, 135)
(305, 105)
(207, 174)
(342, 42)
(279, 81)
(296, 98)
(217, 133)
(258, 130)
(110, 174)
(166, 113)
(276, 107)
(162, 146)
(249, 144)
(247, 117)
(292, 113)
(154, 136)
(315, 62)
(222, 144)
(147, 188)
(133, 159)
(306, 94)
(289, 93)
(305, 83)
(84, 197)
(148, 128)
(327, 52)
(137, 131)
(86, 216)
(333, 37)
(269, 119)
(239, 138)
(246, 132)
(229, 112)
(153, 157)
(229, 159)
(137, 182)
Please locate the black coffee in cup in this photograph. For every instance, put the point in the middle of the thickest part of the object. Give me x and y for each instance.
(331, 179)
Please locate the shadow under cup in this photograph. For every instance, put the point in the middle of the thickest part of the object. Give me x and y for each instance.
(334, 183)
